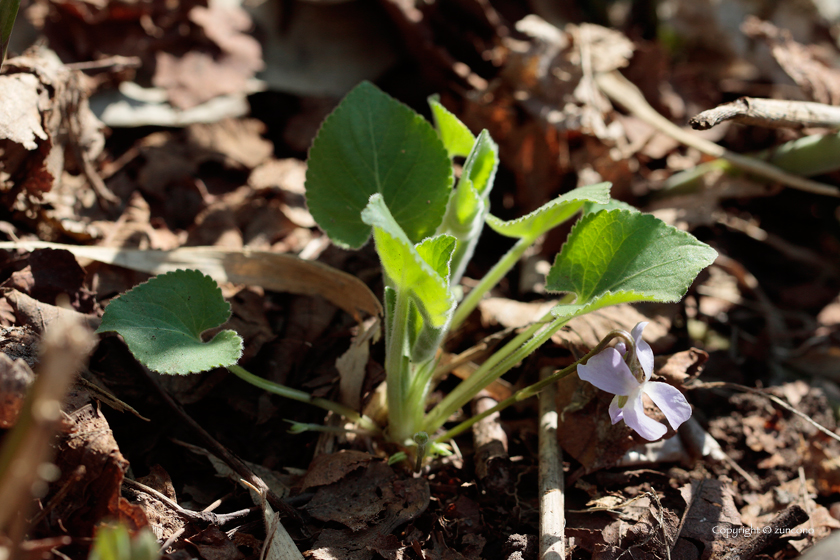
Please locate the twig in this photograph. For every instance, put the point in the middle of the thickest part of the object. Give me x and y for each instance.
(215, 519)
(769, 113)
(114, 63)
(702, 444)
(552, 516)
(660, 517)
(780, 525)
(773, 398)
(623, 92)
(103, 193)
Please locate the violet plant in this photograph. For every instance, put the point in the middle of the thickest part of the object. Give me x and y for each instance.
(378, 169)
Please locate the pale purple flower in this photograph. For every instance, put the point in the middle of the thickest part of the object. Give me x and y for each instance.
(608, 372)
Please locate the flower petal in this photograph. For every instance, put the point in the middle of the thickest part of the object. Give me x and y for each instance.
(607, 371)
(621, 347)
(670, 401)
(635, 417)
(616, 414)
(643, 351)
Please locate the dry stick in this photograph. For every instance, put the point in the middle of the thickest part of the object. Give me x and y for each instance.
(623, 92)
(773, 398)
(221, 451)
(769, 113)
(103, 193)
(552, 516)
(113, 63)
(780, 525)
(701, 444)
(491, 446)
(215, 519)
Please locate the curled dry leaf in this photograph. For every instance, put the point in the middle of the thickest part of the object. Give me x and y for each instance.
(87, 441)
(45, 114)
(804, 64)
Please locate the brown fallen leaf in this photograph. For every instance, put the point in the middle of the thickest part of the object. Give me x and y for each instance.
(46, 274)
(329, 468)
(46, 118)
(803, 63)
(200, 75)
(87, 440)
(239, 140)
(761, 508)
(15, 379)
(38, 315)
(273, 271)
(371, 503)
(710, 518)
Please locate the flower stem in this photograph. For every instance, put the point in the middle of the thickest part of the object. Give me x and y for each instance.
(487, 283)
(530, 390)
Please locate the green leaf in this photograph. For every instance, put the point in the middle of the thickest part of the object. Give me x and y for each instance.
(437, 251)
(620, 256)
(163, 319)
(613, 204)
(8, 13)
(807, 156)
(372, 144)
(113, 542)
(470, 204)
(414, 271)
(456, 137)
(551, 214)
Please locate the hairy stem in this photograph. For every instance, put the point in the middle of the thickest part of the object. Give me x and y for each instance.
(303, 396)
(532, 390)
(397, 371)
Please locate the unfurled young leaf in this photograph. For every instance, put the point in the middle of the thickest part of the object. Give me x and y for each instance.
(163, 319)
(456, 137)
(414, 271)
(620, 256)
(469, 203)
(372, 144)
(552, 213)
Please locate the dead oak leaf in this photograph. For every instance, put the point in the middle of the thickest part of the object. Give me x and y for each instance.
(20, 118)
(372, 503)
(94, 490)
(711, 512)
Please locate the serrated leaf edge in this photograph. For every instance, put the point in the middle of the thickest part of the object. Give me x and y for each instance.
(499, 226)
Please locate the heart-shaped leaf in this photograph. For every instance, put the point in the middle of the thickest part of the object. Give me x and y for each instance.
(372, 144)
(620, 256)
(163, 319)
